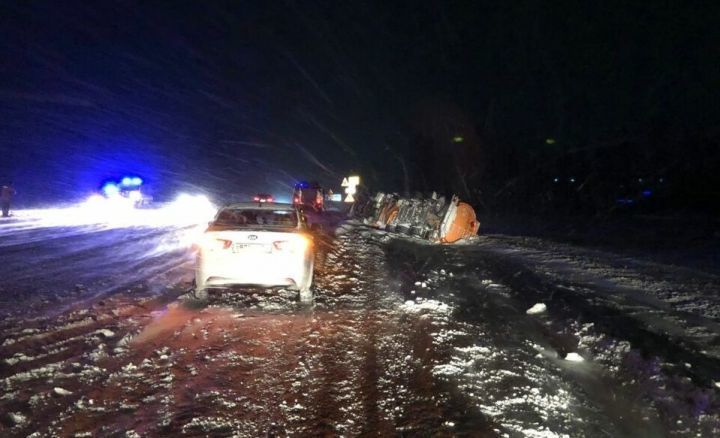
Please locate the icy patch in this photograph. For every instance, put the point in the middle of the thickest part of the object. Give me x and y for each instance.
(536, 309)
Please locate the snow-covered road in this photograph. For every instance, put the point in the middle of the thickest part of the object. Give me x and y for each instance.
(552, 339)
(405, 338)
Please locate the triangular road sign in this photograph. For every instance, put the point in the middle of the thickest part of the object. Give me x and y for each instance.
(349, 198)
(345, 182)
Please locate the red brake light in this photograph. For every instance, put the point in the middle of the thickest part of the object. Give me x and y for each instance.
(296, 244)
(257, 198)
(216, 244)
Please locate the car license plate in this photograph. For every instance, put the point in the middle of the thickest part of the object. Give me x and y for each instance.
(248, 247)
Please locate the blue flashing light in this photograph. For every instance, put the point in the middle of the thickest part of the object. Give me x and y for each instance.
(131, 181)
(110, 189)
(647, 193)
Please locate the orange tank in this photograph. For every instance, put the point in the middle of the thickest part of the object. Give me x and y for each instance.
(465, 224)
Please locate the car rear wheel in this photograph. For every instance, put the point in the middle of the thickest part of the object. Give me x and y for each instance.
(306, 293)
(200, 294)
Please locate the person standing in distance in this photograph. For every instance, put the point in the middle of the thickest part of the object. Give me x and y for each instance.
(6, 194)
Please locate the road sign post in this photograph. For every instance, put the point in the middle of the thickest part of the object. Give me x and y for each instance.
(350, 183)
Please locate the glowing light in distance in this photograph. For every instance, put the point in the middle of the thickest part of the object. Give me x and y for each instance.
(111, 189)
(131, 181)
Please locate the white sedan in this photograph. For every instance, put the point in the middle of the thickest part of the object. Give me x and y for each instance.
(256, 244)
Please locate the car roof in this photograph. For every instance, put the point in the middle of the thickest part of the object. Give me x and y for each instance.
(260, 206)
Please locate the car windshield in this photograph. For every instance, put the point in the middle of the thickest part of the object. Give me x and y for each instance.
(255, 217)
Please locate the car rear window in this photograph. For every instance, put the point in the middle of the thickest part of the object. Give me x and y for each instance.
(257, 217)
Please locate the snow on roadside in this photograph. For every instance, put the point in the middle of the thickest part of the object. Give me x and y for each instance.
(421, 305)
(61, 391)
(538, 406)
(536, 309)
(526, 393)
(17, 418)
(631, 284)
(574, 357)
(44, 372)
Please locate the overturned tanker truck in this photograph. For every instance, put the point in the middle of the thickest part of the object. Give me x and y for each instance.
(432, 219)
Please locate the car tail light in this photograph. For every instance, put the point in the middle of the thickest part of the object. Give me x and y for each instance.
(257, 198)
(297, 243)
(213, 244)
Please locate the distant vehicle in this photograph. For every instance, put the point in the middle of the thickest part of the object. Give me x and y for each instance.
(309, 194)
(255, 244)
(263, 197)
(128, 187)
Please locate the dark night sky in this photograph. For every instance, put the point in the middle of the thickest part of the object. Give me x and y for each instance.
(239, 97)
